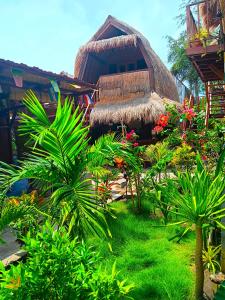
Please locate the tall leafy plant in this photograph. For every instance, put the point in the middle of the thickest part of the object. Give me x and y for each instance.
(57, 166)
(198, 199)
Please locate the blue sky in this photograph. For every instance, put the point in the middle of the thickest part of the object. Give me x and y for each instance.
(48, 33)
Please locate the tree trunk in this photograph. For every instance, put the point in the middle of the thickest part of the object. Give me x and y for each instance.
(199, 270)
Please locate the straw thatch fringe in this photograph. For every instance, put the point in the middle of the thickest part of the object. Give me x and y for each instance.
(123, 86)
(147, 109)
(106, 44)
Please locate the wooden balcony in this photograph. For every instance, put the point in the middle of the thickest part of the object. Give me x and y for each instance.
(124, 86)
(205, 40)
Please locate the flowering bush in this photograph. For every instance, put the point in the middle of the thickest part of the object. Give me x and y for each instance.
(161, 123)
(163, 120)
(188, 114)
(131, 140)
(157, 129)
(131, 136)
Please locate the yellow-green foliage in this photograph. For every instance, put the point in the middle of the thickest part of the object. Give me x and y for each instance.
(183, 156)
(156, 152)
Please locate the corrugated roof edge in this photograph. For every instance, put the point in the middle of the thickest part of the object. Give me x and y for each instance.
(40, 72)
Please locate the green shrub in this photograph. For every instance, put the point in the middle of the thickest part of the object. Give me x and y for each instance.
(60, 268)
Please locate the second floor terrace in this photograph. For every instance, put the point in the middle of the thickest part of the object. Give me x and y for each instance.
(205, 33)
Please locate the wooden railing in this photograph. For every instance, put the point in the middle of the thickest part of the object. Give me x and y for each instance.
(204, 25)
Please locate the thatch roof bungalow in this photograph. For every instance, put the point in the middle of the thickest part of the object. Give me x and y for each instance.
(133, 83)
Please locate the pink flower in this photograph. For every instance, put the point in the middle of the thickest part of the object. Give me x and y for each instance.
(135, 144)
(130, 135)
(189, 113)
(184, 136)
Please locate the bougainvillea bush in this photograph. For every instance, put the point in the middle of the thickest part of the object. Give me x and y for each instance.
(187, 127)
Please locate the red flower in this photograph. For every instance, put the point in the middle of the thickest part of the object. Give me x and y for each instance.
(204, 157)
(135, 144)
(158, 129)
(163, 120)
(130, 135)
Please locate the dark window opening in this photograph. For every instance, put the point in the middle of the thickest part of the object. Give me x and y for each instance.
(112, 69)
(131, 67)
(122, 68)
(141, 64)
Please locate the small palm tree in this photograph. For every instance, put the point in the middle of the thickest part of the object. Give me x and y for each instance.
(61, 164)
(198, 199)
(57, 165)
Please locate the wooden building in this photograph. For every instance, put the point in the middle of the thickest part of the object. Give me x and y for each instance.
(206, 47)
(15, 80)
(134, 85)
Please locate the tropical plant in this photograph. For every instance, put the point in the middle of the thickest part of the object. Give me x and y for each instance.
(220, 293)
(59, 267)
(159, 156)
(183, 157)
(210, 258)
(198, 199)
(181, 65)
(161, 197)
(57, 166)
(21, 213)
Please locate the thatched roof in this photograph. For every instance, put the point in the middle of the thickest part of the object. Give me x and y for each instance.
(162, 81)
(129, 96)
(147, 108)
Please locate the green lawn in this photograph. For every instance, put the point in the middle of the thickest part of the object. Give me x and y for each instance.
(160, 269)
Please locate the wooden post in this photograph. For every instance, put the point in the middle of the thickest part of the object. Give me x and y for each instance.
(207, 105)
(199, 24)
(198, 103)
(188, 16)
(5, 134)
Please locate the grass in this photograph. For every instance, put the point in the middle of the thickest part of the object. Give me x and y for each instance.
(160, 269)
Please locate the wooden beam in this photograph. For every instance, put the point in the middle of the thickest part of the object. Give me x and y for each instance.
(198, 70)
(202, 50)
(207, 59)
(217, 71)
(7, 81)
(26, 84)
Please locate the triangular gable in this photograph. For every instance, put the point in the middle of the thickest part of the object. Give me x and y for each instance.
(110, 23)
